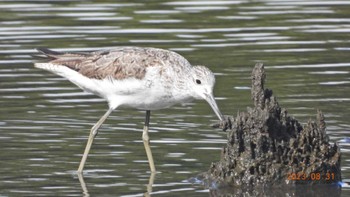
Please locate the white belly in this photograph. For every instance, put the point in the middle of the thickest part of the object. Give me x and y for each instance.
(153, 102)
(139, 94)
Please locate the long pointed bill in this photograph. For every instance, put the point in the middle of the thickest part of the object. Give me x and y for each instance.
(210, 99)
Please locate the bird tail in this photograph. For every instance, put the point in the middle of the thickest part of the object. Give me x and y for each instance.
(50, 53)
(47, 54)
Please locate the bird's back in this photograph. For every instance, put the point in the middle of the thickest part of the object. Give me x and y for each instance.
(119, 63)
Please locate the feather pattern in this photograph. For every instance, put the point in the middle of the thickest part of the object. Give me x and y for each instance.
(119, 63)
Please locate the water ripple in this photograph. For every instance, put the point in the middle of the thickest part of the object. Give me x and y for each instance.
(45, 120)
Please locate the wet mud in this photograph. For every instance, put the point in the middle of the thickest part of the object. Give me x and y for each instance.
(267, 147)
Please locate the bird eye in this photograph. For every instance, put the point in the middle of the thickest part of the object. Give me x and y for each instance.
(198, 81)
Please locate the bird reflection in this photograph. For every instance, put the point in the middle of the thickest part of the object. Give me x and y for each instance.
(83, 185)
(149, 186)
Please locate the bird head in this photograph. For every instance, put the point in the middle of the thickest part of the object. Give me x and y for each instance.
(202, 83)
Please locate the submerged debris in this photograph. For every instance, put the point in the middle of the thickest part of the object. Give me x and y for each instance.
(265, 146)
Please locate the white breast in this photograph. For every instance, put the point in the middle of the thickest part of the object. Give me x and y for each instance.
(151, 93)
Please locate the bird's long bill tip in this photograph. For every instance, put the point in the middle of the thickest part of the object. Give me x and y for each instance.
(210, 99)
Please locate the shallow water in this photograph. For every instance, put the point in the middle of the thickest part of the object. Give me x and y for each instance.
(45, 120)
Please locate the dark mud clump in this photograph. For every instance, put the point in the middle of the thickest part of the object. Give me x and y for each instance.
(267, 147)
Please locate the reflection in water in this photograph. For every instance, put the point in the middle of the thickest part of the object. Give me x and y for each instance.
(273, 190)
(148, 192)
(297, 191)
(150, 184)
(83, 185)
(44, 120)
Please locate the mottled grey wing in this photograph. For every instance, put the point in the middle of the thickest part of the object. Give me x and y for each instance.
(119, 63)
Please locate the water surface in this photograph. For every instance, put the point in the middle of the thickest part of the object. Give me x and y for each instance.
(45, 120)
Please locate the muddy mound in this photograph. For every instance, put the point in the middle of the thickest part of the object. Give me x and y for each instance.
(266, 146)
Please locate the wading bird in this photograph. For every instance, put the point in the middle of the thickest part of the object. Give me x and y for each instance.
(136, 77)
